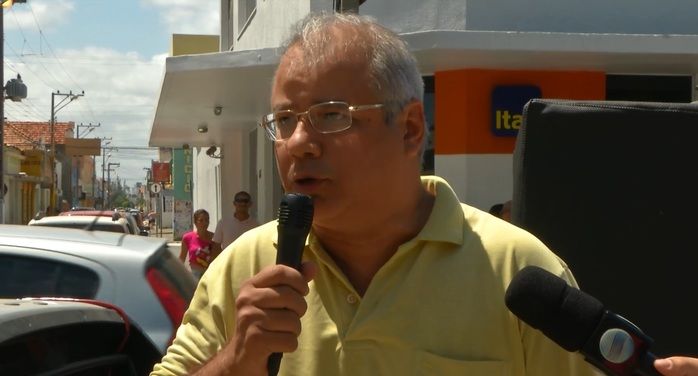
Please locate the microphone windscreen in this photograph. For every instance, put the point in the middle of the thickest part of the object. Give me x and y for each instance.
(546, 302)
(296, 210)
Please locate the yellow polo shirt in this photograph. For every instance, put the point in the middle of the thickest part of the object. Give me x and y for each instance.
(435, 308)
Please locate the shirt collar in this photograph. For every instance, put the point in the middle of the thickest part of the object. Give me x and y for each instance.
(445, 222)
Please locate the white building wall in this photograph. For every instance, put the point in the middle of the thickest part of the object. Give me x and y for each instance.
(592, 16)
(232, 171)
(206, 192)
(479, 180)
(404, 16)
(271, 22)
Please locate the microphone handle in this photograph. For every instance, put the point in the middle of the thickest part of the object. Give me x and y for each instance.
(646, 366)
(291, 243)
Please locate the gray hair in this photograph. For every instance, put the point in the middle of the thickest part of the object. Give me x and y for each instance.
(393, 71)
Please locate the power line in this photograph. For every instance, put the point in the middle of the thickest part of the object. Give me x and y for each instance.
(133, 147)
(48, 45)
(29, 69)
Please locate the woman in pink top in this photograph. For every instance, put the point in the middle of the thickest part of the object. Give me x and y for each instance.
(196, 245)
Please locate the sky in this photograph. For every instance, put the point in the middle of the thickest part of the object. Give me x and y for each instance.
(114, 51)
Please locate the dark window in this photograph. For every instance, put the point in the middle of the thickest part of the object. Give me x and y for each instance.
(246, 10)
(428, 160)
(22, 276)
(646, 88)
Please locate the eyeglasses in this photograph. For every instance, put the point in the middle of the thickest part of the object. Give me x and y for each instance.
(327, 117)
(243, 200)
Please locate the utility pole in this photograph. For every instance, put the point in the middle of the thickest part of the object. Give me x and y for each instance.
(4, 4)
(109, 170)
(105, 158)
(103, 147)
(147, 193)
(78, 189)
(90, 127)
(2, 117)
(66, 97)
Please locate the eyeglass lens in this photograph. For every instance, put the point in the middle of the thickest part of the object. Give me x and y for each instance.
(324, 118)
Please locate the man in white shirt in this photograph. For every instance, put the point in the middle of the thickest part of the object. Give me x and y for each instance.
(229, 228)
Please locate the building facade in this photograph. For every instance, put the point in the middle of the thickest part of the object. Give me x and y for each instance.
(481, 61)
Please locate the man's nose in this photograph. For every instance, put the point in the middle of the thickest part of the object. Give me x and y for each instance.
(304, 142)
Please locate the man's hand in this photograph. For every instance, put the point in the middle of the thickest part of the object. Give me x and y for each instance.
(269, 307)
(677, 366)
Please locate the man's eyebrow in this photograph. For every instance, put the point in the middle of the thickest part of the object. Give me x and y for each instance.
(281, 106)
(289, 106)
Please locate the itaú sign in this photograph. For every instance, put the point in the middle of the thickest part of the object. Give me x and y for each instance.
(507, 108)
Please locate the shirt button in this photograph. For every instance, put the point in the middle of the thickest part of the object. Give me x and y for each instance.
(351, 299)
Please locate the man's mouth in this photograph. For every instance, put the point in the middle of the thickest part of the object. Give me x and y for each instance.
(306, 181)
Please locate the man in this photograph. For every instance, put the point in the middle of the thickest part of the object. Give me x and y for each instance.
(505, 214)
(228, 229)
(399, 277)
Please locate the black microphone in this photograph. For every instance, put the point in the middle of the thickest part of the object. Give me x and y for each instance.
(295, 219)
(577, 321)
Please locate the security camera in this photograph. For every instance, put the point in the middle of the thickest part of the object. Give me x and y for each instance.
(217, 110)
(211, 152)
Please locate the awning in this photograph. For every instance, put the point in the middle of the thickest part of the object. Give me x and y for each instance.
(239, 82)
(194, 86)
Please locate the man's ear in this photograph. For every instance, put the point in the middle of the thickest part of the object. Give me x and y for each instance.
(413, 123)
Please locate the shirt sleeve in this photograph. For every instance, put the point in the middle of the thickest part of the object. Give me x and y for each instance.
(209, 322)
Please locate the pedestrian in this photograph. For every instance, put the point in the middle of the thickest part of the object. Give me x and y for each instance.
(65, 206)
(151, 219)
(496, 210)
(196, 245)
(399, 277)
(230, 228)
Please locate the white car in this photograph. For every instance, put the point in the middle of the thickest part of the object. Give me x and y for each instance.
(137, 273)
(85, 222)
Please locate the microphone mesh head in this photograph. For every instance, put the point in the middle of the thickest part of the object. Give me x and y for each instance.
(296, 210)
(546, 302)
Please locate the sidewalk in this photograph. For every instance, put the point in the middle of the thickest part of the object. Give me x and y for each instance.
(162, 233)
(166, 233)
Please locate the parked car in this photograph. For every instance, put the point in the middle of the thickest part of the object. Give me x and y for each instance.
(78, 208)
(131, 221)
(134, 219)
(85, 222)
(138, 274)
(71, 337)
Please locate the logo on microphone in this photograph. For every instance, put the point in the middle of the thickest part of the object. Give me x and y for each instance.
(616, 345)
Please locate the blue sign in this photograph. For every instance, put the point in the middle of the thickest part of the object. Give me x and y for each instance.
(507, 108)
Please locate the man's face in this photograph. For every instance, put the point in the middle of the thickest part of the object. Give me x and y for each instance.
(242, 203)
(348, 172)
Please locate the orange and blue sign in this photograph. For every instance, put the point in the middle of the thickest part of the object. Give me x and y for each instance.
(507, 107)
